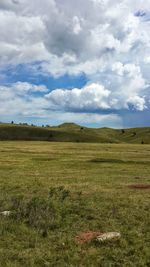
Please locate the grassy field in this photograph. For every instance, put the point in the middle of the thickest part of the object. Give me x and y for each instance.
(70, 132)
(57, 190)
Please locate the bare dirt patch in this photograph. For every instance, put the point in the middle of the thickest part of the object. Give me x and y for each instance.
(139, 186)
(86, 237)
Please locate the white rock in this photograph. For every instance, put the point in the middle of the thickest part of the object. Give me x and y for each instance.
(108, 236)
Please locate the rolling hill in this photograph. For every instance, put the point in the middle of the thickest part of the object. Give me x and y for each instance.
(70, 132)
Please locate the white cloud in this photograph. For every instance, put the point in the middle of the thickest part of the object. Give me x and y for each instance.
(113, 120)
(104, 39)
(137, 102)
(91, 97)
(85, 29)
(24, 98)
(19, 98)
(17, 101)
(147, 60)
(95, 97)
(130, 86)
(76, 25)
(26, 87)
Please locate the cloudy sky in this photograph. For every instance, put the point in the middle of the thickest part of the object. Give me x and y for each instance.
(83, 61)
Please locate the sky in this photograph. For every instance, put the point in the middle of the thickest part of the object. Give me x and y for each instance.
(83, 61)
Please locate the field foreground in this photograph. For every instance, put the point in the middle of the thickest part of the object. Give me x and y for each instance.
(58, 190)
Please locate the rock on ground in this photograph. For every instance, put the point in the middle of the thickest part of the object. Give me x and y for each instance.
(108, 236)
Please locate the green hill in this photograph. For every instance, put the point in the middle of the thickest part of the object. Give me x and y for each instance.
(70, 132)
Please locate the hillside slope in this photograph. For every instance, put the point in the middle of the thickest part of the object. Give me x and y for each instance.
(70, 132)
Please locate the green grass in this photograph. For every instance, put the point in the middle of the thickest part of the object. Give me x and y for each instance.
(70, 132)
(57, 190)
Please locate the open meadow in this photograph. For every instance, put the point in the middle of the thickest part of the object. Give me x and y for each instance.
(55, 191)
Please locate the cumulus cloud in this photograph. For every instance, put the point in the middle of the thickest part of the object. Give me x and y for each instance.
(107, 40)
(131, 86)
(137, 102)
(91, 97)
(83, 29)
(96, 98)
(19, 99)
(27, 99)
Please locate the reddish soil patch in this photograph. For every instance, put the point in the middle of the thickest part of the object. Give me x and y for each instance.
(86, 237)
(139, 186)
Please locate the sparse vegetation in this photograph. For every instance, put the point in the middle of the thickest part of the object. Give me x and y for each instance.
(50, 212)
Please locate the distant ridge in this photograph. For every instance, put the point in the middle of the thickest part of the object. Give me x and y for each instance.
(69, 125)
(71, 132)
